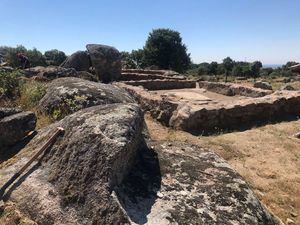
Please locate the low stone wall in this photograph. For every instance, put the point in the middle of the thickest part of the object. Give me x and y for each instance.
(203, 119)
(242, 113)
(159, 72)
(141, 76)
(159, 108)
(166, 84)
(230, 89)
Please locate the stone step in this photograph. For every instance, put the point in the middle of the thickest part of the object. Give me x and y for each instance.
(125, 76)
(160, 72)
(166, 84)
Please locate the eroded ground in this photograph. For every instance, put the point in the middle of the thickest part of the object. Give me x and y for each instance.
(268, 157)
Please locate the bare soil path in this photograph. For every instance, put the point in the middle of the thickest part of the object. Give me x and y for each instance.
(268, 157)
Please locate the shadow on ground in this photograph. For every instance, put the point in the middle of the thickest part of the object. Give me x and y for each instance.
(9, 152)
(245, 126)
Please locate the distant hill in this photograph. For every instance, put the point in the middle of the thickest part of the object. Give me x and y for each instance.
(274, 66)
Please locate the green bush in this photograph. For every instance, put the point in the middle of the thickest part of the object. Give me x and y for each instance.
(9, 84)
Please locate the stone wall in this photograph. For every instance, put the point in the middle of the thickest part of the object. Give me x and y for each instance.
(159, 72)
(163, 84)
(241, 114)
(216, 117)
(230, 89)
(144, 76)
(159, 108)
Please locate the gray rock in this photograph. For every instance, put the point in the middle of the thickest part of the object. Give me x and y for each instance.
(67, 95)
(106, 60)
(8, 112)
(185, 184)
(54, 72)
(15, 125)
(287, 87)
(74, 182)
(263, 85)
(79, 60)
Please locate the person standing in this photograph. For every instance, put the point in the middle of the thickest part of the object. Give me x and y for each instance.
(24, 60)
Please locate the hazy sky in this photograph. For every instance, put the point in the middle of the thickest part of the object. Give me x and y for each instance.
(266, 30)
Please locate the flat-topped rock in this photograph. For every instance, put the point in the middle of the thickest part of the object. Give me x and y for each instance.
(67, 95)
(54, 72)
(14, 126)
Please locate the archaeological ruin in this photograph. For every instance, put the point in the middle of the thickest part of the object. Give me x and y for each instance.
(203, 107)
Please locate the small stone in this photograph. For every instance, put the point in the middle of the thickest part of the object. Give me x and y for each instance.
(169, 144)
(297, 135)
(290, 221)
(294, 214)
(159, 195)
(52, 193)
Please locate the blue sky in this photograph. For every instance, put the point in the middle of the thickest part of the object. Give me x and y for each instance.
(266, 30)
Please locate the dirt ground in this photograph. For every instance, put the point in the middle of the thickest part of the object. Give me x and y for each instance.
(198, 97)
(268, 157)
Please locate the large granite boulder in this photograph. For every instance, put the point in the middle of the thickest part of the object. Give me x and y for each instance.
(53, 72)
(15, 125)
(73, 182)
(79, 60)
(67, 95)
(106, 60)
(263, 85)
(180, 183)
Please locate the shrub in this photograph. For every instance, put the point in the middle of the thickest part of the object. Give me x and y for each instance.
(9, 84)
(31, 93)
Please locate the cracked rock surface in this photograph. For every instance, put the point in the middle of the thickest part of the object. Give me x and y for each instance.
(186, 184)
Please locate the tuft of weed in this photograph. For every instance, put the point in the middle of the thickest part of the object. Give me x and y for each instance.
(31, 93)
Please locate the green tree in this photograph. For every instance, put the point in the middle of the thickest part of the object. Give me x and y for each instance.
(289, 64)
(204, 68)
(36, 58)
(138, 57)
(228, 65)
(164, 48)
(10, 54)
(213, 68)
(55, 57)
(127, 61)
(237, 71)
(255, 68)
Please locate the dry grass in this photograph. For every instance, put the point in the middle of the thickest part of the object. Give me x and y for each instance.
(267, 157)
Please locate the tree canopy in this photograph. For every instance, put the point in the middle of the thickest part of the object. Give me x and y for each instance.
(36, 58)
(55, 57)
(164, 48)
